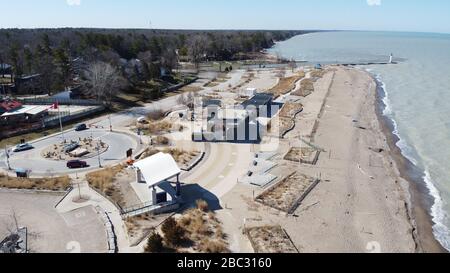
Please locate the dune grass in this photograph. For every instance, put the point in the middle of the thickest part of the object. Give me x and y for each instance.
(103, 180)
(286, 85)
(204, 229)
(61, 183)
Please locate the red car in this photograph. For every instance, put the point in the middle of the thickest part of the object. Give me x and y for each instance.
(76, 164)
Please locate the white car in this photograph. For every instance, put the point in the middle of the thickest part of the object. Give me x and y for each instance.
(23, 147)
(142, 120)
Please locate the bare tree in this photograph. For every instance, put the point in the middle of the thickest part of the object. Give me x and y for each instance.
(102, 81)
(11, 221)
(197, 48)
(186, 100)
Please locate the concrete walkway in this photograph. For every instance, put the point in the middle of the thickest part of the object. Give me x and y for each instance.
(90, 197)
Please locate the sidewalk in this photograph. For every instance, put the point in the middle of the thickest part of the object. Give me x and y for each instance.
(89, 197)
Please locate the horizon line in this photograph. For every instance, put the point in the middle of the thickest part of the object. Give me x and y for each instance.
(221, 29)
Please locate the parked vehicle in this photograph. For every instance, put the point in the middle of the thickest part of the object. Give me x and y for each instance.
(76, 164)
(81, 127)
(23, 147)
(142, 120)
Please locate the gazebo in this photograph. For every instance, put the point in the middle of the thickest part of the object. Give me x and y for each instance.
(157, 171)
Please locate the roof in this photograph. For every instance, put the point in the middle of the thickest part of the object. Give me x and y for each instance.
(10, 105)
(29, 77)
(158, 168)
(259, 99)
(207, 103)
(26, 110)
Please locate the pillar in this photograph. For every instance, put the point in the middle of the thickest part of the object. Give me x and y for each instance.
(154, 196)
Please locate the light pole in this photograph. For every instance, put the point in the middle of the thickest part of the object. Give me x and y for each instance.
(7, 157)
(110, 124)
(60, 122)
(98, 154)
(139, 132)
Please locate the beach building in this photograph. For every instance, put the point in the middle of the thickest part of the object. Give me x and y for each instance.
(6, 78)
(227, 125)
(5, 69)
(158, 172)
(63, 95)
(261, 103)
(212, 103)
(25, 114)
(248, 92)
(242, 123)
(7, 105)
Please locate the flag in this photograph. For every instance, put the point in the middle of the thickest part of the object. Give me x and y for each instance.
(55, 106)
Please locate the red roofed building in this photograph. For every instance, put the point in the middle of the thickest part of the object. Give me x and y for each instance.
(9, 105)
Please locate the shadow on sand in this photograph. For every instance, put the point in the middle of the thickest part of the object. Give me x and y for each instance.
(193, 192)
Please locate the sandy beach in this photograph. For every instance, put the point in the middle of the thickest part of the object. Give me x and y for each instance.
(420, 201)
(362, 203)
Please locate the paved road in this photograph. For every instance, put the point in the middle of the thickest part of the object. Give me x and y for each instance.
(125, 118)
(118, 143)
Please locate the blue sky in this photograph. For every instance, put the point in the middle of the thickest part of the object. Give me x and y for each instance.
(396, 15)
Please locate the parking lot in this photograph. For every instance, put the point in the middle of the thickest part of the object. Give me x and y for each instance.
(80, 230)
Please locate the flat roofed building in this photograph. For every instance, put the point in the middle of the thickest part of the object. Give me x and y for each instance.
(9, 105)
(5, 69)
(260, 99)
(262, 102)
(30, 110)
(248, 92)
(208, 103)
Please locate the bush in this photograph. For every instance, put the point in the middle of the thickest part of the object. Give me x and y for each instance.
(173, 233)
(210, 246)
(154, 243)
(161, 140)
(156, 115)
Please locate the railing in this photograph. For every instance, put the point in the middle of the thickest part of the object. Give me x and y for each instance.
(146, 208)
(33, 101)
(67, 116)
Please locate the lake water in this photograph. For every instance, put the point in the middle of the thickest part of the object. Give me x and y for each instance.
(417, 96)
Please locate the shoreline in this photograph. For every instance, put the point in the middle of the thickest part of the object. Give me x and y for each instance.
(419, 201)
(362, 200)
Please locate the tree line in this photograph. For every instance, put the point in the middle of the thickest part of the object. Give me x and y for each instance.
(63, 57)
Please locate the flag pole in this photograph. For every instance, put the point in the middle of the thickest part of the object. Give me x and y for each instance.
(60, 122)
